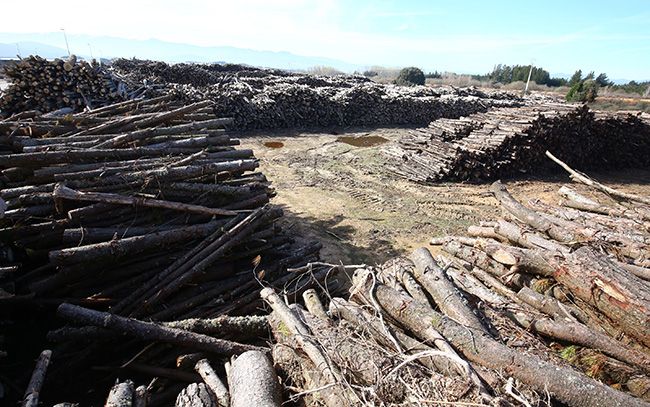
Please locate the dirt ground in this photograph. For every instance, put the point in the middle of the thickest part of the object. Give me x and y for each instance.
(335, 187)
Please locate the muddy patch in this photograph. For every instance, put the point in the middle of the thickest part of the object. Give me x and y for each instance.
(273, 144)
(362, 141)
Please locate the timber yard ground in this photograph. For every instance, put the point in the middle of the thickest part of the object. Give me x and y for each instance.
(343, 195)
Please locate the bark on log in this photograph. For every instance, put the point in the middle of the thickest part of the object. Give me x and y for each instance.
(195, 395)
(579, 177)
(579, 334)
(602, 284)
(253, 381)
(480, 348)
(150, 331)
(528, 216)
(121, 395)
(444, 292)
(331, 375)
(63, 192)
(213, 382)
(33, 391)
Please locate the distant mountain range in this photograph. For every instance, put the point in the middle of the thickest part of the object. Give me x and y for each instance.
(52, 45)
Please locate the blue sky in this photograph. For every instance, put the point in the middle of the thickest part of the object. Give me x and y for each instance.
(461, 36)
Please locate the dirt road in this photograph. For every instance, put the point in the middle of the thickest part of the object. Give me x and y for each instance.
(342, 194)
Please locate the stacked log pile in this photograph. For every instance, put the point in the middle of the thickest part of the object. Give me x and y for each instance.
(255, 98)
(144, 209)
(39, 84)
(547, 306)
(265, 99)
(510, 141)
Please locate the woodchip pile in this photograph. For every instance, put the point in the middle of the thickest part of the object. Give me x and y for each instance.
(510, 141)
(146, 209)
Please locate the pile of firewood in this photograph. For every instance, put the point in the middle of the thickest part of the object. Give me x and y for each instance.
(39, 84)
(265, 99)
(547, 306)
(144, 208)
(509, 141)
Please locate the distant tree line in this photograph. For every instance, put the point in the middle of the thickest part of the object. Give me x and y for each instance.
(519, 73)
(583, 86)
(642, 88)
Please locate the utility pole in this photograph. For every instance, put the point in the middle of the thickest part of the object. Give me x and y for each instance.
(91, 52)
(65, 37)
(18, 50)
(530, 73)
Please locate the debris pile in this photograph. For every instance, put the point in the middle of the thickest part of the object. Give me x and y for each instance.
(39, 84)
(548, 306)
(509, 141)
(144, 208)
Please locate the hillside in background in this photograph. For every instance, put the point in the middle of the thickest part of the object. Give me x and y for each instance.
(52, 45)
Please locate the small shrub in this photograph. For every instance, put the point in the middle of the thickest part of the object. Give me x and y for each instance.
(410, 76)
(584, 91)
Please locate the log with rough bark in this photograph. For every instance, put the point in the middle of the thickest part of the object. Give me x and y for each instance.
(480, 348)
(32, 393)
(121, 395)
(443, 292)
(151, 331)
(253, 381)
(216, 386)
(334, 392)
(195, 395)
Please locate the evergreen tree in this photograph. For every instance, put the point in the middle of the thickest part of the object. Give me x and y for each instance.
(603, 80)
(576, 78)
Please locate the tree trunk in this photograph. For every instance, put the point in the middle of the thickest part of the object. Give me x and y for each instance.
(253, 381)
(480, 348)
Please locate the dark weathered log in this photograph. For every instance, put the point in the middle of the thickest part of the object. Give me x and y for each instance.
(151, 331)
(33, 391)
(253, 381)
(214, 250)
(131, 245)
(63, 192)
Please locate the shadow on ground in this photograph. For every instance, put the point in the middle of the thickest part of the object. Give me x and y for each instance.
(338, 239)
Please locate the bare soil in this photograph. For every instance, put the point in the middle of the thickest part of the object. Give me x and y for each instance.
(335, 187)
